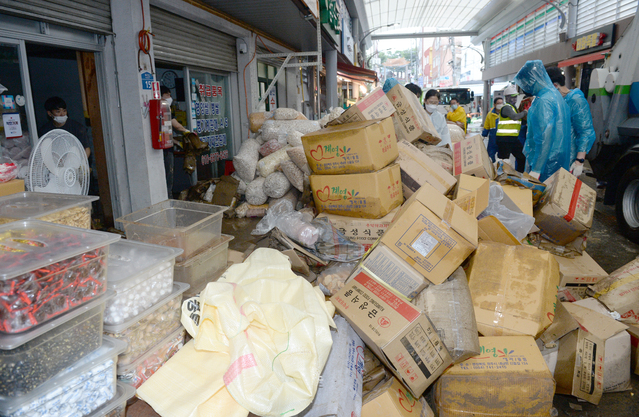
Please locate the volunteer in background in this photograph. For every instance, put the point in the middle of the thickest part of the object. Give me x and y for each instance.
(169, 158)
(582, 130)
(508, 128)
(416, 90)
(490, 127)
(431, 101)
(547, 146)
(58, 119)
(457, 115)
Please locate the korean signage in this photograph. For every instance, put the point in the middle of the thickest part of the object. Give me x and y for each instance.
(596, 40)
(330, 19)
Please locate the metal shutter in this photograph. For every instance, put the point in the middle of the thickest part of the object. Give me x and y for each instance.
(89, 15)
(182, 41)
(593, 14)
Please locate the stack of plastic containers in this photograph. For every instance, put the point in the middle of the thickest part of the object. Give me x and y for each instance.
(53, 294)
(194, 227)
(65, 209)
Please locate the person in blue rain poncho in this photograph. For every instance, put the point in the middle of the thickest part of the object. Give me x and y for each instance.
(583, 133)
(548, 141)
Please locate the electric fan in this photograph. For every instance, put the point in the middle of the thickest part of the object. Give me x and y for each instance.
(59, 164)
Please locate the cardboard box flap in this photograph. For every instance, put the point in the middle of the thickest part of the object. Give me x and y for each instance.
(347, 127)
(492, 230)
(598, 324)
(522, 197)
(563, 323)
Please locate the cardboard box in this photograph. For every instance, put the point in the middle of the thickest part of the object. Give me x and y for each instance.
(522, 197)
(508, 378)
(362, 231)
(374, 106)
(508, 175)
(418, 169)
(369, 196)
(472, 194)
(351, 148)
(411, 120)
(514, 289)
(11, 187)
(470, 157)
(391, 399)
(634, 353)
(579, 272)
(490, 229)
(385, 266)
(432, 234)
(565, 209)
(620, 292)
(581, 334)
(398, 333)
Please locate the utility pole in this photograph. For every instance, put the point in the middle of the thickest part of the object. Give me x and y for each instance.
(452, 42)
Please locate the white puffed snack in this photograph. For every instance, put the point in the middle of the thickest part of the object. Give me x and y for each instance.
(274, 129)
(246, 159)
(270, 147)
(294, 138)
(268, 165)
(255, 192)
(298, 156)
(293, 173)
(276, 185)
(285, 114)
(241, 188)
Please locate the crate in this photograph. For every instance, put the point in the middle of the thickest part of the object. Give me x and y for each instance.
(64, 209)
(179, 224)
(117, 406)
(140, 274)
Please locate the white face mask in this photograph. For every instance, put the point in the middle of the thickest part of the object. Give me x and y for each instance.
(60, 119)
(499, 106)
(454, 106)
(431, 108)
(168, 101)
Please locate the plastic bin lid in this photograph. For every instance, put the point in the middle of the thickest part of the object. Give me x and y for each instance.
(32, 205)
(31, 244)
(128, 259)
(122, 369)
(207, 253)
(110, 348)
(178, 289)
(123, 393)
(14, 340)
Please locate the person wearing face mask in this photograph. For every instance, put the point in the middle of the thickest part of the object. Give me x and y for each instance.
(508, 128)
(169, 158)
(582, 131)
(58, 119)
(431, 101)
(490, 127)
(457, 115)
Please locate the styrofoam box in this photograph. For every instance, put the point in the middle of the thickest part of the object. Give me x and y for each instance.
(141, 274)
(65, 209)
(117, 406)
(179, 224)
(204, 267)
(77, 390)
(148, 328)
(29, 359)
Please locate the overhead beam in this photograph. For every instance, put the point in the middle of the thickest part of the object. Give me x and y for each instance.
(424, 35)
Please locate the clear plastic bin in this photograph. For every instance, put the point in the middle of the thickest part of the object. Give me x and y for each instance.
(147, 329)
(141, 274)
(117, 406)
(180, 224)
(79, 389)
(204, 267)
(48, 269)
(146, 365)
(65, 209)
(29, 359)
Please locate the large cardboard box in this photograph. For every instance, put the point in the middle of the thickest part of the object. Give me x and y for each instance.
(374, 106)
(351, 148)
(418, 169)
(565, 209)
(391, 399)
(432, 234)
(620, 292)
(470, 157)
(579, 272)
(411, 120)
(514, 289)
(11, 187)
(370, 196)
(397, 332)
(581, 334)
(362, 231)
(472, 194)
(508, 378)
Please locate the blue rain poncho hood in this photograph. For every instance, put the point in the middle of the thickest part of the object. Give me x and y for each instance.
(548, 143)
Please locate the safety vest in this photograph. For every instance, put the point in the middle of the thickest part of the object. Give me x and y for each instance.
(508, 127)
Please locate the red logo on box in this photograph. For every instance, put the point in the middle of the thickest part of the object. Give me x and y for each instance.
(384, 322)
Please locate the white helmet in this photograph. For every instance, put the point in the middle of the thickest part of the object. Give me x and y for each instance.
(511, 90)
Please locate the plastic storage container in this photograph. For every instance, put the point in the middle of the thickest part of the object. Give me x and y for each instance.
(141, 274)
(204, 267)
(146, 365)
(180, 224)
(65, 209)
(77, 390)
(47, 269)
(117, 406)
(29, 359)
(147, 329)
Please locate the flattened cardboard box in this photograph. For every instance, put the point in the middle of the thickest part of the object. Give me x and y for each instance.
(11, 187)
(565, 209)
(579, 272)
(432, 234)
(472, 194)
(411, 120)
(470, 157)
(418, 169)
(374, 106)
(620, 292)
(369, 196)
(351, 148)
(391, 399)
(508, 378)
(398, 333)
(362, 231)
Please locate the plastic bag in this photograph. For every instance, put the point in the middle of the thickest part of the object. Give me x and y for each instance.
(276, 185)
(255, 194)
(270, 147)
(285, 114)
(333, 278)
(270, 164)
(246, 159)
(389, 84)
(8, 170)
(279, 129)
(519, 224)
(291, 223)
(332, 245)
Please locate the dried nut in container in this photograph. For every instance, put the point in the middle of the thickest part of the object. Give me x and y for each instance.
(75, 217)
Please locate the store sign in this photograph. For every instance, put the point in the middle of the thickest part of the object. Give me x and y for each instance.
(330, 19)
(597, 40)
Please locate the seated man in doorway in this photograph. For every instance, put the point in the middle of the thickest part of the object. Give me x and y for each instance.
(58, 119)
